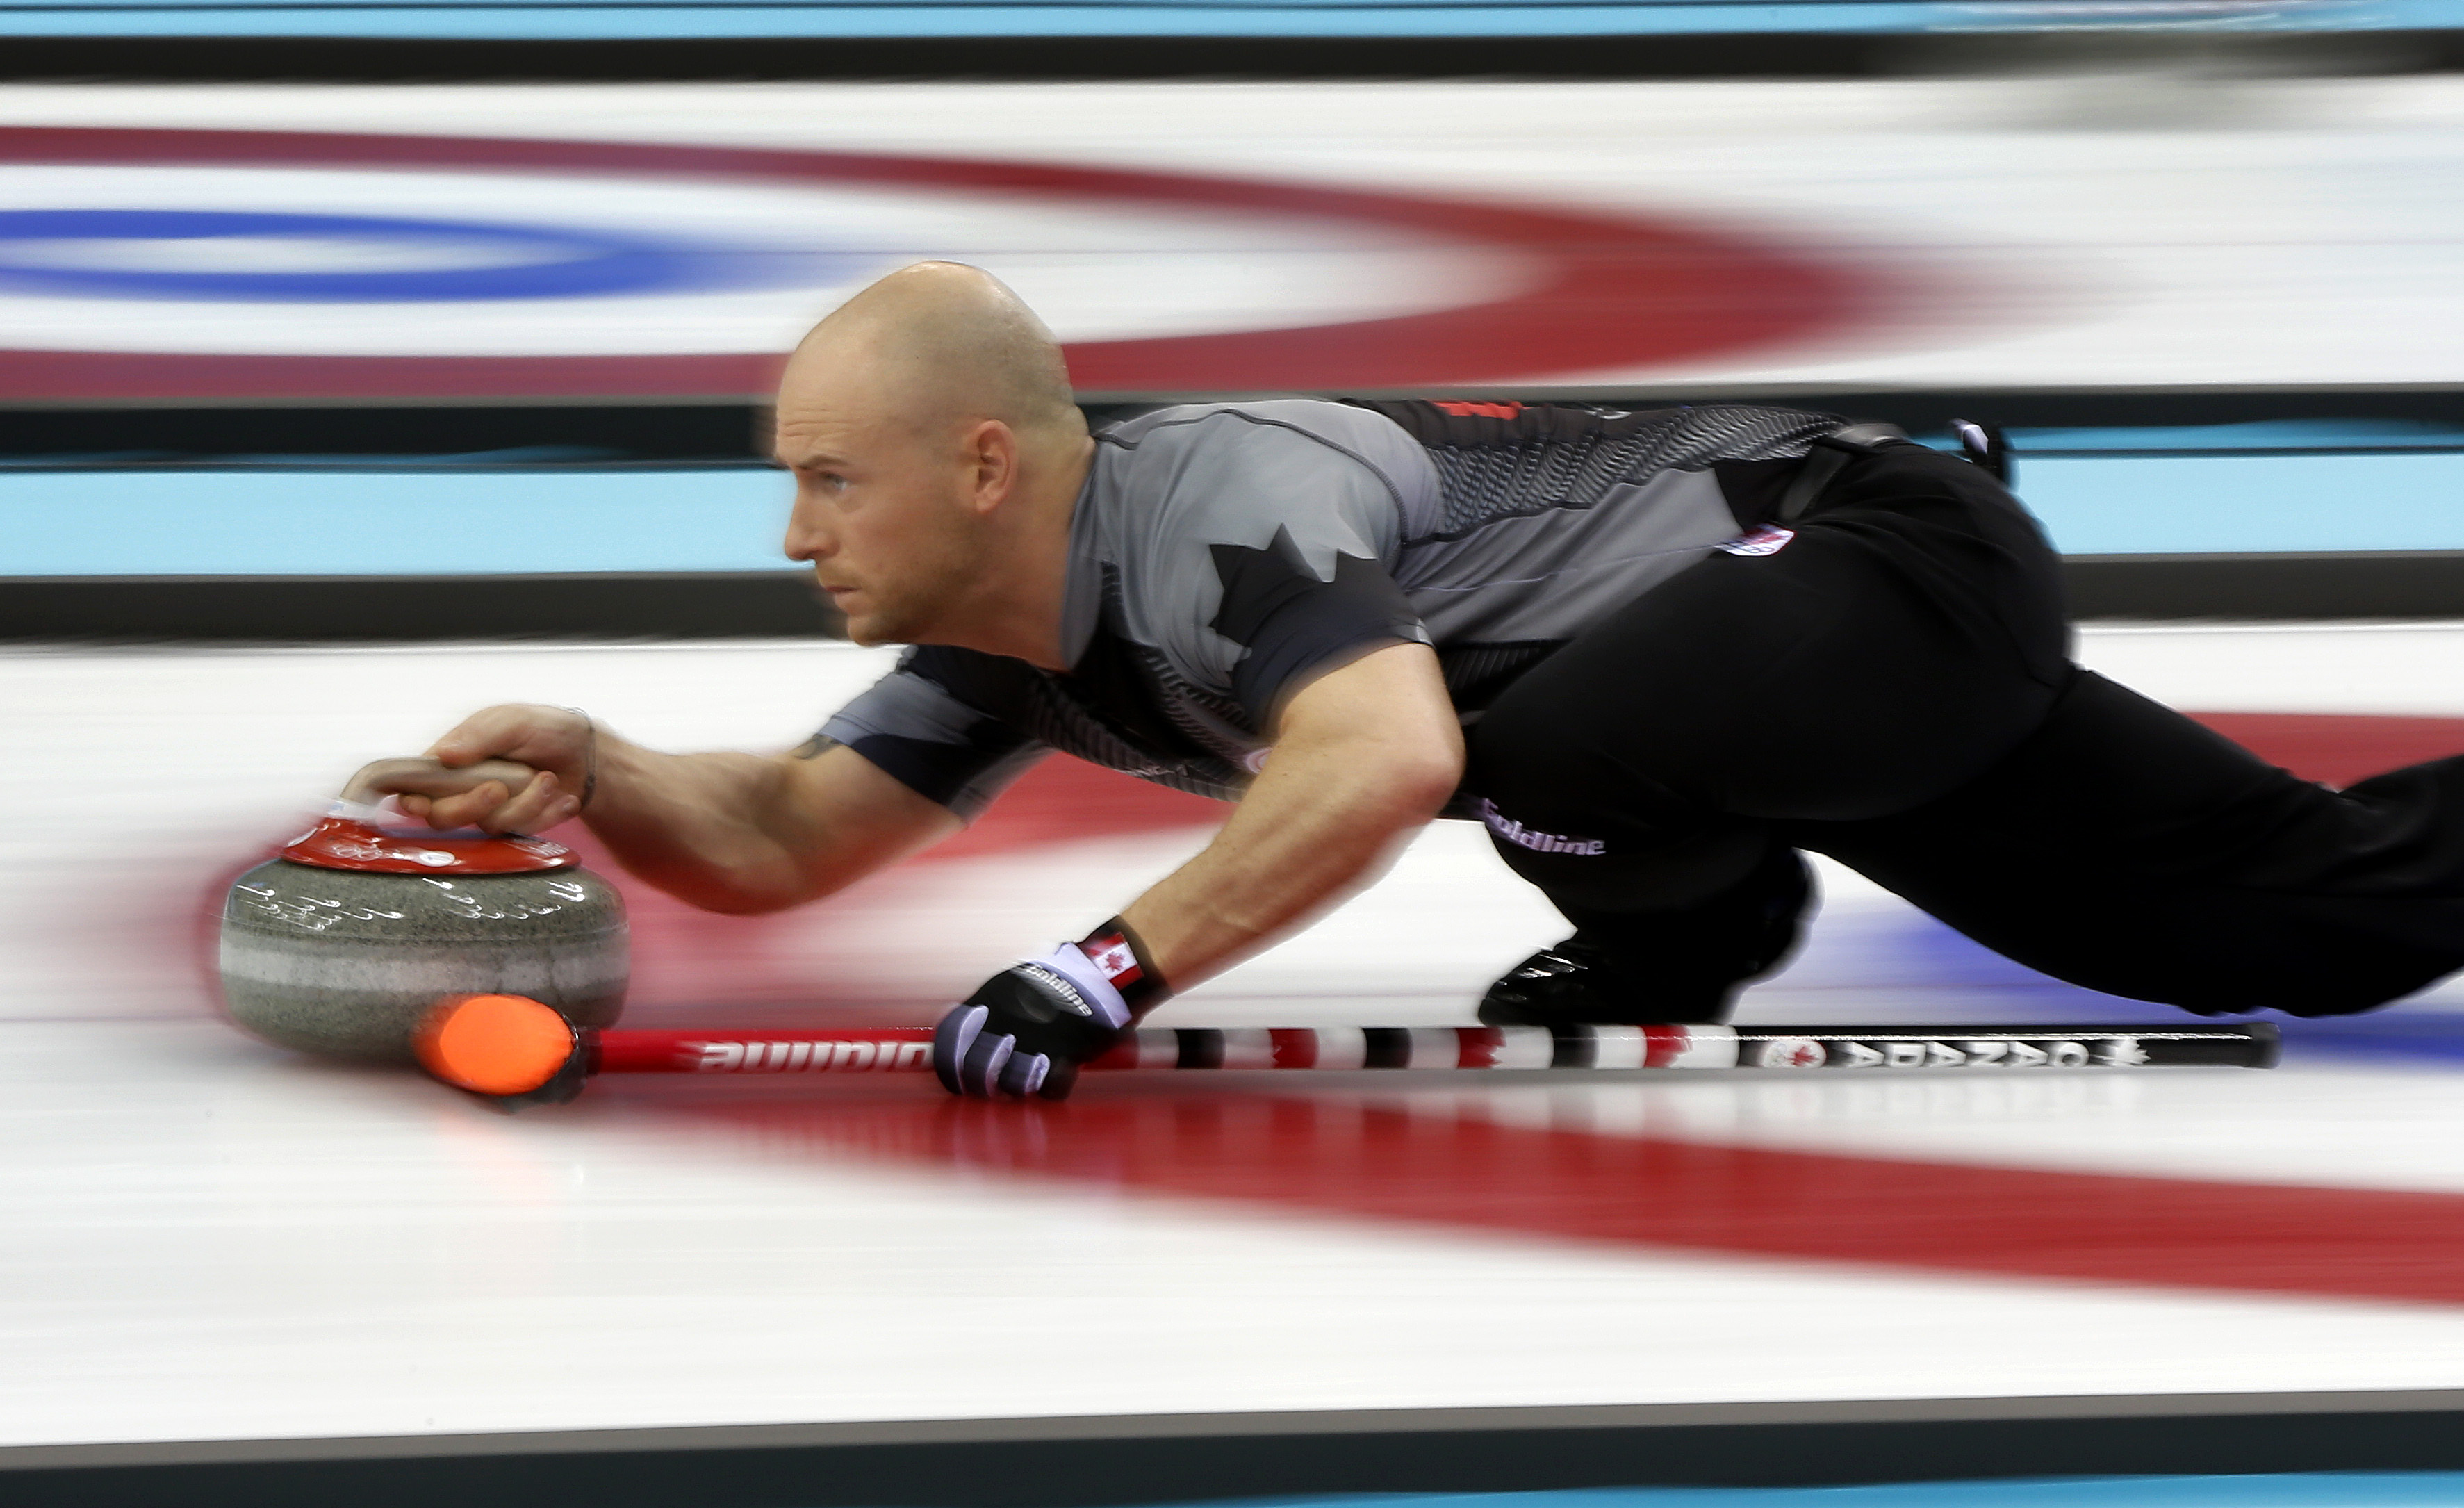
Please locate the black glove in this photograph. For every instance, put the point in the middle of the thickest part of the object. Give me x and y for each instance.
(1026, 1030)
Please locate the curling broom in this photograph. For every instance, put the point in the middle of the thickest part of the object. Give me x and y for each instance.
(509, 1047)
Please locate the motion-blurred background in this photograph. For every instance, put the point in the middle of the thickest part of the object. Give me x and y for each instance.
(317, 318)
(362, 363)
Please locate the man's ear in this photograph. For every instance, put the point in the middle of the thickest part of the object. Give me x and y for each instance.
(991, 462)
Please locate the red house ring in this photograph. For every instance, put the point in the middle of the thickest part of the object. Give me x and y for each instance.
(1612, 291)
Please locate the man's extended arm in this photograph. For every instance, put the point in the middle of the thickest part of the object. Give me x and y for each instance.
(736, 832)
(1362, 755)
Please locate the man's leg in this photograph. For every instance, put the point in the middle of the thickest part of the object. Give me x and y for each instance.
(2125, 847)
(1907, 640)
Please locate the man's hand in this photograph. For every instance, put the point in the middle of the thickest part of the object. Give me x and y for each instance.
(557, 741)
(1029, 1027)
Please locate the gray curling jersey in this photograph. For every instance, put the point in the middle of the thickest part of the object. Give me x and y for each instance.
(1223, 553)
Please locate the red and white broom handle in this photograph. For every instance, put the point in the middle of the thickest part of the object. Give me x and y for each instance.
(910, 1049)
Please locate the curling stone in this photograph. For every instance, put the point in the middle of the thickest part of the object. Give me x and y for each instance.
(342, 943)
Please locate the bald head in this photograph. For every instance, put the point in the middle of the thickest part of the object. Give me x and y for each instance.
(940, 345)
(938, 457)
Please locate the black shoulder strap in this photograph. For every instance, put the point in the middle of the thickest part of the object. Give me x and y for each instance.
(1823, 460)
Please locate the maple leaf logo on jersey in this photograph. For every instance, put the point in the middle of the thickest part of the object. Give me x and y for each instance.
(1290, 617)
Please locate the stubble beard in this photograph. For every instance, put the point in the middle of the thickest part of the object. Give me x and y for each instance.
(916, 608)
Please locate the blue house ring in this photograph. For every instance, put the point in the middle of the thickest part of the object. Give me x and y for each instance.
(538, 264)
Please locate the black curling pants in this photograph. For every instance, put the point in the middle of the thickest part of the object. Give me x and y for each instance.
(1892, 689)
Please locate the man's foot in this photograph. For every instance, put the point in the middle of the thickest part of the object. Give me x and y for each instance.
(1579, 982)
(1571, 983)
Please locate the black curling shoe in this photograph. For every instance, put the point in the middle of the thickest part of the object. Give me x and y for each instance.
(1571, 983)
(1582, 984)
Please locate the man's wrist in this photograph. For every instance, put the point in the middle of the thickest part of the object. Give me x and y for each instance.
(1121, 957)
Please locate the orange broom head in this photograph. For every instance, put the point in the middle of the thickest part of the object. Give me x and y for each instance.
(494, 1044)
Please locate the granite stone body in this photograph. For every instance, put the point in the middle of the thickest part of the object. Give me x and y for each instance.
(343, 964)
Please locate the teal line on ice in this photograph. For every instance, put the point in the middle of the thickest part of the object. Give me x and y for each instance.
(2231, 504)
(2258, 435)
(381, 523)
(2297, 1490)
(452, 521)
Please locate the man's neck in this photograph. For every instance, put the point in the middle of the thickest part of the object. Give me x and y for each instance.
(1023, 617)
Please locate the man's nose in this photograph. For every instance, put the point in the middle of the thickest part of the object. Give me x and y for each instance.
(808, 539)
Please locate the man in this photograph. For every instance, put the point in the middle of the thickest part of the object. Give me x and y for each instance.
(1656, 653)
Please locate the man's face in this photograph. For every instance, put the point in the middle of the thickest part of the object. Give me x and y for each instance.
(880, 501)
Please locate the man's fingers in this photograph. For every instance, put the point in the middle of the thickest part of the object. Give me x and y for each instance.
(950, 1041)
(539, 803)
(1025, 1073)
(1058, 1080)
(480, 736)
(533, 735)
(981, 1071)
(527, 810)
(972, 1056)
(469, 810)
